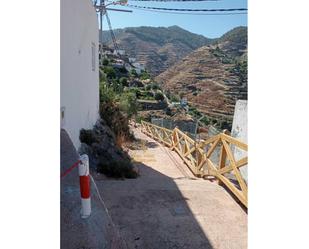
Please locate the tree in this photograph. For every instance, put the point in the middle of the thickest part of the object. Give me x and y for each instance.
(105, 62)
(110, 72)
(155, 86)
(159, 96)
(123, 81)
(128, 103)
(144, 75)
(133, 72)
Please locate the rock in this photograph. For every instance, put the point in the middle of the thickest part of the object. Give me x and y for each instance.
(85, 149)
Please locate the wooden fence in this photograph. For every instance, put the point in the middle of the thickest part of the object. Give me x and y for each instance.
(198, 156)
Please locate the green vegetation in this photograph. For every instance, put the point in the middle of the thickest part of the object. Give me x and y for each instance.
(159, 96)
(123, 81)
(105, 62)
(133, 73)
(224, 58)
(241, 69)
(144, 75)
(128, 104)
(87, 136)
(174, 98)
(110, 72)
(148, 87)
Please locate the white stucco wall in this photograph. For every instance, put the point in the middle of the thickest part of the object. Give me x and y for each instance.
(79, 83)
(240, 131)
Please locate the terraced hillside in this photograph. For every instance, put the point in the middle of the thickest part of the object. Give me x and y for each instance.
(157, 48)
(211, 81)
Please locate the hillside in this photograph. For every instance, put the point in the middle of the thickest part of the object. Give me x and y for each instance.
(212, 77)
(234, 42)
(157, 48)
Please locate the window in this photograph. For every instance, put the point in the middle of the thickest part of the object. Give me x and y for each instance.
(62, 116)
(93, 56)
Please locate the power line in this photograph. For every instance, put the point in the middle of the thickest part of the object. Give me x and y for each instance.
(174, 0)
(112, 33)
(199, 10)
(191, 13)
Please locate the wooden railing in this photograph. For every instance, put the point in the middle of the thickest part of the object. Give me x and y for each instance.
(201, 159)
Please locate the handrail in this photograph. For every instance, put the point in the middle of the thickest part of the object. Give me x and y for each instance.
(198, 156)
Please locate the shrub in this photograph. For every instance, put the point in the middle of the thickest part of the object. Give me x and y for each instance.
(155, 86)
(205, 120)
(139, 119)
(110, 72)
(117, 169)
(115, 119)
(174, 98)
(148, 87)
(133, 72)
(87, 136)
(105, 62)
(117, 87)
(123, 70)
(128, 103)
(168, 111)
(159, 96)
(144, 75)
(107, 94)
(123, 81)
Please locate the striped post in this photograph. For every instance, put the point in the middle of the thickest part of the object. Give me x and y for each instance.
(84, 181)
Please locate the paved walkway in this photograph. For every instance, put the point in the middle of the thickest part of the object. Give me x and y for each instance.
(167, 207)
(95, 232)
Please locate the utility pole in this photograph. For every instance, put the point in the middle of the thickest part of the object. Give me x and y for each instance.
(101, 7)
(101, 32)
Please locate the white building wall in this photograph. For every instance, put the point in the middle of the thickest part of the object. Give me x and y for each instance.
(79, 76)
(240, 131)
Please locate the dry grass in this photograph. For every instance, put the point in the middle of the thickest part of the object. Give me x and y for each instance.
(120, 140)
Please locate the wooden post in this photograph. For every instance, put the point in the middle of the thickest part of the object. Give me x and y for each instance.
(222, 159)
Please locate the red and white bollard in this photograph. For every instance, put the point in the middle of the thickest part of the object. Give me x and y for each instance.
(84, 181)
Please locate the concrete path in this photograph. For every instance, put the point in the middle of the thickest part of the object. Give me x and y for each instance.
(95, 232)
(167, 207)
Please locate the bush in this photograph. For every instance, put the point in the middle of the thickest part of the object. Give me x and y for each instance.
(144, 75)
(117, 169)
(128, 104)
(159, 96)
(107, 94)
(148, 87)
(105, 62)
(110, 72)
(87, 136)
(123, 81)
(205, 121)
(174, 98)
(133, 72)
(117, 87)
(115, 119)
(168, 111)
(139, 119)
(155, 86)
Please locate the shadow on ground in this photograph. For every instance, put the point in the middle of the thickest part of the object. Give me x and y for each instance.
(152, 213)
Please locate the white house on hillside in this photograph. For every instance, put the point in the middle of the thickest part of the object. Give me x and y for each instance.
(79, 74)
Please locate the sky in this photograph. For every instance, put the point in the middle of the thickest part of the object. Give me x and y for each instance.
(211, 26)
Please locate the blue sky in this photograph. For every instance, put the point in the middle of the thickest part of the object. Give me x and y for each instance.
(208, 25)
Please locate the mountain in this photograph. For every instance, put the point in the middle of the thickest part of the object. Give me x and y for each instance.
(212, 77)
(234, 42)
(157, 48)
